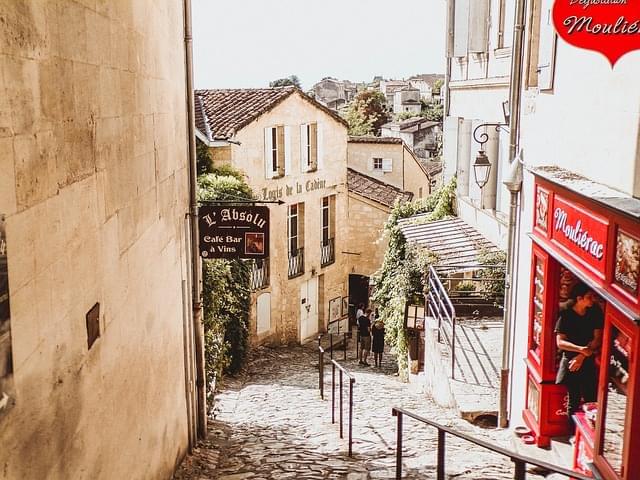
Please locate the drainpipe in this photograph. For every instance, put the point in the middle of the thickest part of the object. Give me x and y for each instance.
(444, 90)
(201, 390)
(514, 185)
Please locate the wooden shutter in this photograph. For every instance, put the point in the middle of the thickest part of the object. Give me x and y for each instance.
(478, 26)
(313, 142)
(387, 165)
(461, 28)
(304, 157)
(450, 148)
(287, 151)
(320, 146)
(547, 47)
(280, 150)
(268, 151)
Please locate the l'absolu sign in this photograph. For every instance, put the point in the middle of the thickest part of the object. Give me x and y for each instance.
(611, 27)
(234, 231)
(580, 232)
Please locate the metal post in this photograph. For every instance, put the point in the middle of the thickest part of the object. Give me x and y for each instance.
(441, 449)
(344, 345)
(341, 436)
(519, 470)
(398, 445)
(351, 380)
(331, 344)
(453, 348)
(333, 393)
(321, 374)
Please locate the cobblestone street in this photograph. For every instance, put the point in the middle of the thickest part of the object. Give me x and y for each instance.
(271, 424)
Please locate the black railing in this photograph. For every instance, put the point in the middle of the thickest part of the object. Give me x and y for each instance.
(327, 252)
(440, 308)
(260, 274)
(341, 370)
(520, 461)
(296, 263)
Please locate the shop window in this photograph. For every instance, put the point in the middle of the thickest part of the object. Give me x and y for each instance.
(615, 404)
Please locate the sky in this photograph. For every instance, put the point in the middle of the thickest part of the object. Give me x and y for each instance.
(248, 43)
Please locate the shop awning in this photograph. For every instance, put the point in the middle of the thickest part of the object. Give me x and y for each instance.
(456, 243)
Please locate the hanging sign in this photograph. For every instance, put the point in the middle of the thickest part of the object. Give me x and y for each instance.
(580, 232)
(611, 27)
(239, 231)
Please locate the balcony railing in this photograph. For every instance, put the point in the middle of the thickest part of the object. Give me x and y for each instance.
(327, 252)
(260, 274)
(296, 263)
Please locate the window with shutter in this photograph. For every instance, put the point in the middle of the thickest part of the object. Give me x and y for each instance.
(313, 146)
(546, 48)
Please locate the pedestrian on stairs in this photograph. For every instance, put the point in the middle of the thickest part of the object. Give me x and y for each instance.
(364, 332)
(377, 344)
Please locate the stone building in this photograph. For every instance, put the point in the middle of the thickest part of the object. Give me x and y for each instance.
(420, 134)
(390, 161)
(334, 93)
(290, 148)
(294, 149)
(94, 193)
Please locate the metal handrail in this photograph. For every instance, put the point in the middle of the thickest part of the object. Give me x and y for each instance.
(352, 381)
(296, 263)
(440, 307)
(520, 461)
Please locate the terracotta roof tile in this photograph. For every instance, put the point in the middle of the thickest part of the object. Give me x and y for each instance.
(374, 189)
(220, 113)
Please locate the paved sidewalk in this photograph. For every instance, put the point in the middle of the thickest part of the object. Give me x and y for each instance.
(271, 424)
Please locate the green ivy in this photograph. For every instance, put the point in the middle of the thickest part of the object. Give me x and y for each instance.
(225, 289)
(402, 275)
(494, 287)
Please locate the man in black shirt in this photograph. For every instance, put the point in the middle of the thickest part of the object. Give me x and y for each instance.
(364, 331)
(578, 336)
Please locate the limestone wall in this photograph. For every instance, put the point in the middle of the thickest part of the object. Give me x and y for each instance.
(366, 241)
(93, 183)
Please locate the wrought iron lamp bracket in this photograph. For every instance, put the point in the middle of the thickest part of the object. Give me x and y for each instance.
(484, 136)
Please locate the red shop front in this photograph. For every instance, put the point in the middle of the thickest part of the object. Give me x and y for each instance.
(578, 239)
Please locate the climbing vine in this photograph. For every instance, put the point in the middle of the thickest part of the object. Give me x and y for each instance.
(404, 266)
(226, 288)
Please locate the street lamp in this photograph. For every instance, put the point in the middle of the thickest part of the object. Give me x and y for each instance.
(481, 169)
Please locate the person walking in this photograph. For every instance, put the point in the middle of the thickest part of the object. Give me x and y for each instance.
(377, 344)
(364, 332)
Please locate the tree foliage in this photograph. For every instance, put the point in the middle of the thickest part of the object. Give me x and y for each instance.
(367, 113)
(226, 288)
(433, 111)
(437, 86)
(404, 267)
(204, 162)
(284, 82)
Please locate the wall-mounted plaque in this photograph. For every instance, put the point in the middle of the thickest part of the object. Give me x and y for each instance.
(240, 231)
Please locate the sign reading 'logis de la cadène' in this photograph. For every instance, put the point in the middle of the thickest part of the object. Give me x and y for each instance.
(234, 231)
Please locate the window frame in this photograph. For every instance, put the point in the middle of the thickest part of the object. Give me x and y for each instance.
(376, 164)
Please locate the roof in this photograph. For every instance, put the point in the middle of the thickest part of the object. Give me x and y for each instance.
(598, 192)
(456, 243)
(220, 113)
(419, 122)
(432, 167)
(372, 139)
(374, 189)
(430, 78)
